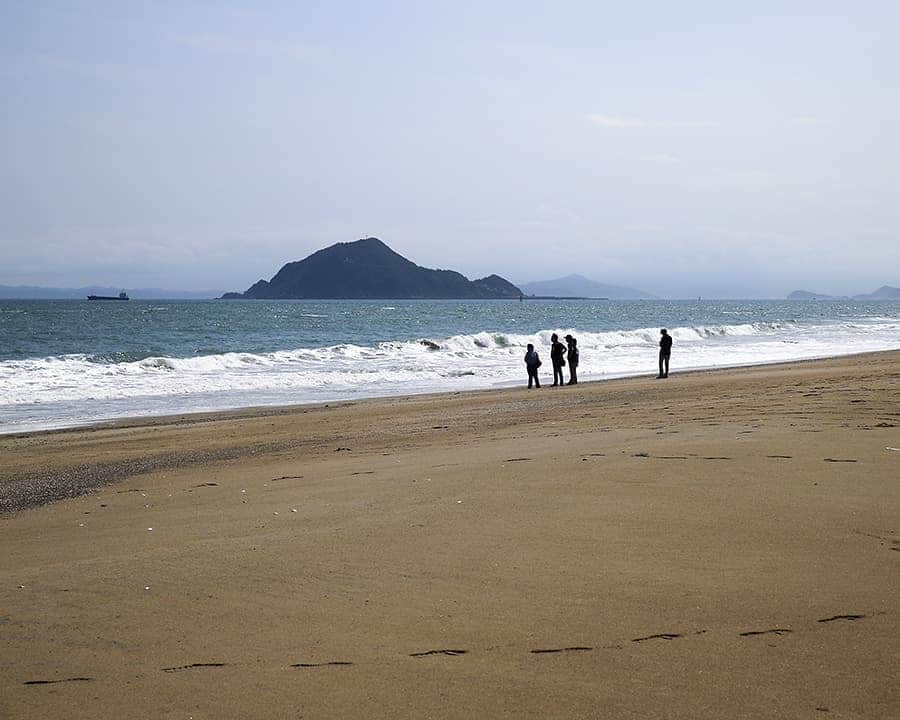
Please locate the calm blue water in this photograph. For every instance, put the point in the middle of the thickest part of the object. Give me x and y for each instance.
(68, 362)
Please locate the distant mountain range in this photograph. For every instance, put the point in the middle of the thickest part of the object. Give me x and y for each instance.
(389, 276)
(885, 292)
(369, 269)
(28, 292)
(580, 286)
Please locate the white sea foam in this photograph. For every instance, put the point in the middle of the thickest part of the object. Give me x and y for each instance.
(67, 390)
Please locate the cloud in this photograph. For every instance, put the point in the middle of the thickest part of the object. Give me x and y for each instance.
(805, 121)
(665, 158)
(644, 228)
(740, 180)
(621, 122)
(616, 121)
(95, 70)
(212, 42)
(551, 213)
(228, 43)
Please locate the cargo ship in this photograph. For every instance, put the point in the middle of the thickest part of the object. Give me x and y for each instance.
(120, 296)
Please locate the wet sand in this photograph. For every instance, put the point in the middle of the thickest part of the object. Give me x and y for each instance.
(715, 545)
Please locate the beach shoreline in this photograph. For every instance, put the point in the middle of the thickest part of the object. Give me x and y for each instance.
(87, 372)
(277, 409)
(26, 488)
(719, 544)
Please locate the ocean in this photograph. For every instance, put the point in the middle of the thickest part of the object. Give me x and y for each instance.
(65, 363)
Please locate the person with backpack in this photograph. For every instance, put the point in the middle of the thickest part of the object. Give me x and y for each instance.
(532, 363)
(572, 355)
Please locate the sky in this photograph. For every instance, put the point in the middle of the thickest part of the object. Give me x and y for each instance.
(690, 148)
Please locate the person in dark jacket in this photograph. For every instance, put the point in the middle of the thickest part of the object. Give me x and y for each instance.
(665, 350)
(558, 358)
(532, 363)
(572, 357)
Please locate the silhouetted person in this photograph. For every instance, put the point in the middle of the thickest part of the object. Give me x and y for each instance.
(572, 357)
(532, 363)
(558, 358)
(665, 350)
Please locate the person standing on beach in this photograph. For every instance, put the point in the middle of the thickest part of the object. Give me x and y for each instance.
(665, 350)
(532, 363)
(557, 357)
(572, 356)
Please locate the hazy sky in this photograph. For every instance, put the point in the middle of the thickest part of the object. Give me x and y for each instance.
(685, 148)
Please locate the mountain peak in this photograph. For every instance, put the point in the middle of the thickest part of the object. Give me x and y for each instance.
(575, 285)
(885, 292)
(369, 269)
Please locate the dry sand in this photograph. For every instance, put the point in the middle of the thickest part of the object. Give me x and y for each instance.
(717, 545)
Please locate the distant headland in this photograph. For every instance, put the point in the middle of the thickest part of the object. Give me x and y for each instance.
(885, 292)
(369, 269)
(580, 287)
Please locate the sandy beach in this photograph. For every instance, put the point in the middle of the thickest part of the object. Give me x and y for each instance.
(720, 544)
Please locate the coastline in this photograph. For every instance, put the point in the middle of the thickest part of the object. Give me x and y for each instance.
(720, 544)
(328, 352)
(277, 408)
(22, 487)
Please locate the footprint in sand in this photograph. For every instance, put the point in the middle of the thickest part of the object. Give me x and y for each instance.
(658, 636)
(193, 665)
(438, 652)
(772, 631)
(53, 682)
(321, 664)
(833, 618)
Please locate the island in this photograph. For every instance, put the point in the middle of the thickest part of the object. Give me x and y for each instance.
(578, 287)
(368, 269)
(885, 292)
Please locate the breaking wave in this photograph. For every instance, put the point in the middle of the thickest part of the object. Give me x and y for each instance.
(83, 387)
